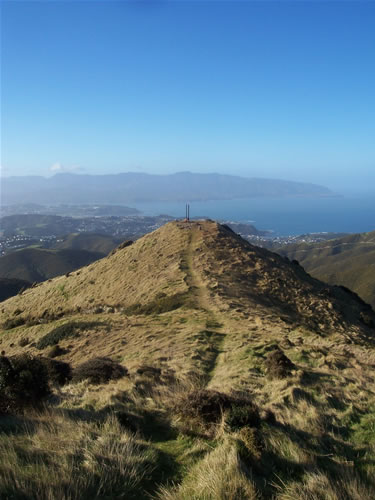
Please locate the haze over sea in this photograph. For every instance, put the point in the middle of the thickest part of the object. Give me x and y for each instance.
(283, 216)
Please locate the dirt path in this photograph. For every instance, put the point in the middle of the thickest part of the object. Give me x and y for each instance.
(214, 321)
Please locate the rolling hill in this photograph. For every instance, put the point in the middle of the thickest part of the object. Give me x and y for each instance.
(36, 264)
(347, 261)
(246, 377)
(91, 242)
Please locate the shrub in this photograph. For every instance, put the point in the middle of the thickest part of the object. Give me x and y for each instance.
(99, 371)
(55, 351)
(242, 414)
(59, 372)
(64, 331)
(149, 371)
(208, 406)
(24, 341)
(159, 305)
(13, 322)
(23, 382)
(278, 365)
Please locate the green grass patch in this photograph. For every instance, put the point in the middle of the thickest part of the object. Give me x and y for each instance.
(364, 430)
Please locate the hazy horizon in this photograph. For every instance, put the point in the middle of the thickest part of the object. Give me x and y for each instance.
(280, 90)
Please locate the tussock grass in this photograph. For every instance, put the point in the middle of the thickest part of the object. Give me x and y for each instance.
(219, 476)
(314, 439)
(317, 485)
(62, 458)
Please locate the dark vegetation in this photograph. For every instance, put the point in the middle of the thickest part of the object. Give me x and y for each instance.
(162, 303)
(59, 372)
(278, 365)
(65, 331)
(10, 287)
(56, 351)
(13, 322)
(99, 371)
(208, 407)
(24, 381)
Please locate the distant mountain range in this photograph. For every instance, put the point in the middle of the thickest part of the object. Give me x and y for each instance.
(137, 187)
(347, 261)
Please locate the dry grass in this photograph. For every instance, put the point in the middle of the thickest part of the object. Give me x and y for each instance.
(57, 457)
(317, 485)
(219, 476)
(319, 445)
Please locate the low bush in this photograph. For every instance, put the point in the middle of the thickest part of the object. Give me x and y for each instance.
(59, 372)
(13, 322)
(99, 371)
(65, 331)
(24, 341)
(208, 407)
(149, 371)
(159, 305)
(242, 414)
(278, 365)
(55, 351)
(23, 382)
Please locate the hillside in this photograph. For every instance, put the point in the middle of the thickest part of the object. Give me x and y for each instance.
(10, 287)
(247, 378)
(347, 261)
(36, 264)
(99, 243)
(139, 187)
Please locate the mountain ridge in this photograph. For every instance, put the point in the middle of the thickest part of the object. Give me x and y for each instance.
(141, 187)
(200, 319)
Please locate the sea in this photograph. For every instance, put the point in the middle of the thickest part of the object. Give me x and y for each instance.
(281, 216)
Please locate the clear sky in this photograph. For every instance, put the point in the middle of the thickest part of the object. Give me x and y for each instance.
(267, 89)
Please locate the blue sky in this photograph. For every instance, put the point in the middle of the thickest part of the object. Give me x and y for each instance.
(266, 89)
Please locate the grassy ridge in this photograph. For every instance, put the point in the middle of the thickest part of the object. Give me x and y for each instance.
(245, 378)
(35, 264)
(347, 261)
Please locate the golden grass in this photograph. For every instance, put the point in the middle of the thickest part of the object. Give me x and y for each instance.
(58, 457)
(319, 444)
(219, 476)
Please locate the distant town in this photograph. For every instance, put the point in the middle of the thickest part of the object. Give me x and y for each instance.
(23, 226)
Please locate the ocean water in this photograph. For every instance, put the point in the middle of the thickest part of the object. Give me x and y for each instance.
(283, 216)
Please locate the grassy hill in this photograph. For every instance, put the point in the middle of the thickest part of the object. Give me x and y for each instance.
(348, 261)
(246, 378)
(99, 243)
(36, 264)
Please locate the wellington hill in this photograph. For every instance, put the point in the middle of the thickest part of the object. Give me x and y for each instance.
(246, 377)
(347, 261)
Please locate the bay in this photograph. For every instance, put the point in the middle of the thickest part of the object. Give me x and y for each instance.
(283, 216)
